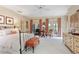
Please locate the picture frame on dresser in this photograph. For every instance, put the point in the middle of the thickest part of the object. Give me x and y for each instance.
(9, 20)
(2, 19)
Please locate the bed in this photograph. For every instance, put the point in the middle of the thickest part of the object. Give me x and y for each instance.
(9, 41)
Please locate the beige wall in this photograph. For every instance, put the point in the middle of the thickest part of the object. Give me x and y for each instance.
(71, 11)
(35, 21)
(64, 24)
(66, 19)
(9, 13)
(23, 23)
(17, 18)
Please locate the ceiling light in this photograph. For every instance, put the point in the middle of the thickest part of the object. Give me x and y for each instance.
(19, 11)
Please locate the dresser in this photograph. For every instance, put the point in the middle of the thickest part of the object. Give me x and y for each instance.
(72, 42)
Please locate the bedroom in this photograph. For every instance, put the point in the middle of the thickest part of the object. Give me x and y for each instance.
(53, 22)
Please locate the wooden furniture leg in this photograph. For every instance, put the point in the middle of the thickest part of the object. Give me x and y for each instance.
(25, 48)
(33, 49)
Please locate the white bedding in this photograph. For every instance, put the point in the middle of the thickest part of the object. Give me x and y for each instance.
(10, 43)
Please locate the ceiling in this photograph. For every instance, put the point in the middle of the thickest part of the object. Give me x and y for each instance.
(39, 10)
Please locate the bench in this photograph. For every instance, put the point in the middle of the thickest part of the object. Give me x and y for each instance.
(31, 43)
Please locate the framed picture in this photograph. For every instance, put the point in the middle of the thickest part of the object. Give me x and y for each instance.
(26, 24)
(2, 18)
(9, 21)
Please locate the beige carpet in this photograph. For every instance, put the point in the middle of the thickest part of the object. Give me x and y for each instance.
(53, 45)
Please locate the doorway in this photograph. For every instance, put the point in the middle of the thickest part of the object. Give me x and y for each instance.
(55, 25)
